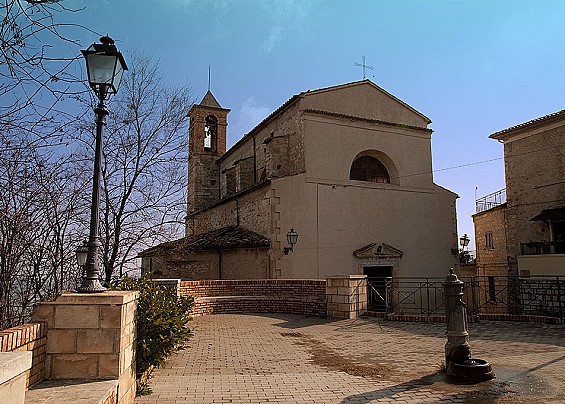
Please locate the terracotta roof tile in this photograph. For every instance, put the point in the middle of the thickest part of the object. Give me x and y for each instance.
(526, 124)
(220, 239)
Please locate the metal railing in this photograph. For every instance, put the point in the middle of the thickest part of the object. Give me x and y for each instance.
(490, 201)
(540, 248)
(543, 296)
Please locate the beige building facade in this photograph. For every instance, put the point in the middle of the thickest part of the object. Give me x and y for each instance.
(348, 167)
(528, 230)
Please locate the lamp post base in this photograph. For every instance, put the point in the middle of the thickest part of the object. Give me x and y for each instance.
(91, 286)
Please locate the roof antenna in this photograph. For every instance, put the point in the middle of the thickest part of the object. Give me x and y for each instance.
(363, 65)
(209, 78)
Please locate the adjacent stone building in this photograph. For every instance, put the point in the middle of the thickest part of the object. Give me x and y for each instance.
(348, 167)
(523, 233)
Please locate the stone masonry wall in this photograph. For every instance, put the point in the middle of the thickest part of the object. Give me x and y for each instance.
(27, 337)
(491, 261)
(535, 169)
(544, 297)
(92, 336)
(279, 150)
(347, 295)
(254, 211)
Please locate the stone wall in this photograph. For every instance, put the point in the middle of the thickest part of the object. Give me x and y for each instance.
(491, 260)
(252, 207)
(542, 297)
(92, 336)
(200, 266)
(203, 181)
(534, 181)
(28, 337)
(347, 296)
(278, 149)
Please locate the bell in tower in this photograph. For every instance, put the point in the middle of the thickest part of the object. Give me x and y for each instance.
(206, 144)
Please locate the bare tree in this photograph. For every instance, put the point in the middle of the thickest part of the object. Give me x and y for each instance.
(34, 76)
(38, 206)
(144, 169)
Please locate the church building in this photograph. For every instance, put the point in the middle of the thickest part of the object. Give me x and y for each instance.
(348, 168)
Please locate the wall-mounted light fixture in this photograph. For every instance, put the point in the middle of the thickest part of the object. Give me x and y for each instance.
(291, 238)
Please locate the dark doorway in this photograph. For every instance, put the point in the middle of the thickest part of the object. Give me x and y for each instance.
(377, 277)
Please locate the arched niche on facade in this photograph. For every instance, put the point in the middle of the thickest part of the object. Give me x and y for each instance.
(374, 166)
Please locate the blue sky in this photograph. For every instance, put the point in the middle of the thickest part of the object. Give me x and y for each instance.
(473, 67)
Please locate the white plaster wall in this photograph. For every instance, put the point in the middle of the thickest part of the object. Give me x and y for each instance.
(334, 221)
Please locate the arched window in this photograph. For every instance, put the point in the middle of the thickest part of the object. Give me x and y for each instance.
(210, 131)
(368, 168)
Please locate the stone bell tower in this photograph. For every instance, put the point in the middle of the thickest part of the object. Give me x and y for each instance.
(206, 143)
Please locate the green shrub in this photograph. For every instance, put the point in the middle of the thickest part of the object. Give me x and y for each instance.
(162, 319)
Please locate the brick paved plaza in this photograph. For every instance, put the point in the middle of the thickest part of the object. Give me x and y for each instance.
(283, 358)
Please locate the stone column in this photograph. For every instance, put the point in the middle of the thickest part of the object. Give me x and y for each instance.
(346, 295)
(92, 336)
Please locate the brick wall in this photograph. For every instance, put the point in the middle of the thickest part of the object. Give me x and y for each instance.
(27, 337)
(296, 296)
(254, 287)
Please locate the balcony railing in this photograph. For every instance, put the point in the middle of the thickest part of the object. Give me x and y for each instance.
(490, 201)
(540, 248)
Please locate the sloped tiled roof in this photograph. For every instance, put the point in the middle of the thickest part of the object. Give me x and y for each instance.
(209, 100)
(220, 239)
(542, 119)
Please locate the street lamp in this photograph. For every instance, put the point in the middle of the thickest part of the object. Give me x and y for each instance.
(464, 241)
(82, 253)
(291, 238)
(105, 67)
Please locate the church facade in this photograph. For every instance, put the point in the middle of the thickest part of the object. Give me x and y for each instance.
(348, 167)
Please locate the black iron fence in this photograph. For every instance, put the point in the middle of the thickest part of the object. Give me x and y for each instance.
(541, 296)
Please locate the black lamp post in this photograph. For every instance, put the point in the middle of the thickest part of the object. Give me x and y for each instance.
(105, 67)
(291, 238)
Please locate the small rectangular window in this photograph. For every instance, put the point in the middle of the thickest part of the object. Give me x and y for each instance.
(488, 240)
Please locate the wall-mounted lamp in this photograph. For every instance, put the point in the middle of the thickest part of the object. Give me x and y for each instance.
(291, 238)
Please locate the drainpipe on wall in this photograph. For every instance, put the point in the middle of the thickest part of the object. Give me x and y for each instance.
(236, 211)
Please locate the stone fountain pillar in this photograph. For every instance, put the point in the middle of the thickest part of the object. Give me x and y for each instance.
(458, 362)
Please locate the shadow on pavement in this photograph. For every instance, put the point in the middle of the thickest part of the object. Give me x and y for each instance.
(486, 392)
